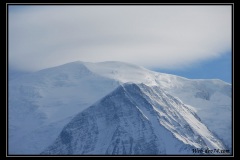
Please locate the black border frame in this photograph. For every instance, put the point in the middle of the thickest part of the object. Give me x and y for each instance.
(109, 4)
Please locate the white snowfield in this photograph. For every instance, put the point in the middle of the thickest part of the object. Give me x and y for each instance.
(181, 114)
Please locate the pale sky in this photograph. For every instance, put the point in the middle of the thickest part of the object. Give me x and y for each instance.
(153, 36)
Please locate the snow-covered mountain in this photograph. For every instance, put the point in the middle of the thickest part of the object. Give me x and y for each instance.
(42, 103)
(135, 119)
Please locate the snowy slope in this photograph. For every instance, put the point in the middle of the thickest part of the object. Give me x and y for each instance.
(135, 119)
(43, 99)
(42, 103)
(211, 99)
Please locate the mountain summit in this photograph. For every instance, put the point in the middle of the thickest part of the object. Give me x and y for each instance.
(116, 108)
(135, 119)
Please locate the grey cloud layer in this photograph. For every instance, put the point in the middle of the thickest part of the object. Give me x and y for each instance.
(152, 36)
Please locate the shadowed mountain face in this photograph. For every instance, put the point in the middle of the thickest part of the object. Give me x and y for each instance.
(135, 119)
(42, 103)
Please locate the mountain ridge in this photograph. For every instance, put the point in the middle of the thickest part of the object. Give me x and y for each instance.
(55, 95)
(119, 115)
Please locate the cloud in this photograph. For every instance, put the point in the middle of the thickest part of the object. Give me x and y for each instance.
(160, 36)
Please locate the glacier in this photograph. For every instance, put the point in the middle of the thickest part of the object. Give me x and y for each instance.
(44, 104)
